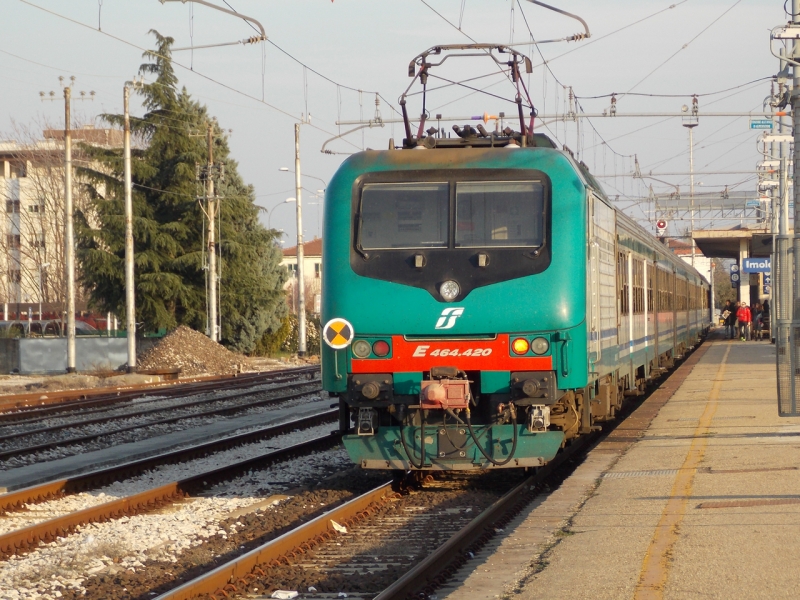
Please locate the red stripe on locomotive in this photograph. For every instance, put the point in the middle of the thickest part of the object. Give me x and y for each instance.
(467, 355)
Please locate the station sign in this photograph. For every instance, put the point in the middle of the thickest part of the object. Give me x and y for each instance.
(734, 279)
(734, 268)
(756, 265)
(767, 279)
(761, 124)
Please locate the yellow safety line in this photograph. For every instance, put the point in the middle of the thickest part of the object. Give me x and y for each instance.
(655, 567)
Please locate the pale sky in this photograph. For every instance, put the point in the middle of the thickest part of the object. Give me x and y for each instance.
(677, 47)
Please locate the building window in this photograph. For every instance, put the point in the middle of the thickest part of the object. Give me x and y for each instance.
(37, 208)
(317, 267)
(39, 241)
(14, 275)
(12, 206)
(292, 269)
(13, 241)
(19, 169)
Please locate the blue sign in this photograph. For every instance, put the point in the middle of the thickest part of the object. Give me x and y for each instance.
(767, 290)
(760, 123)
(734, 268)
(734, 279)
(755, 265)
(767, 280)
(752, 204)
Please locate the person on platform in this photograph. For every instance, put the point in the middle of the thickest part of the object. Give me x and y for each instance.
(743, 316)
(730, 322)
(758, 323)
(728, 318)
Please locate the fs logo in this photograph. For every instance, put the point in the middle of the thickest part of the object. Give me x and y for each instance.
(448, 318)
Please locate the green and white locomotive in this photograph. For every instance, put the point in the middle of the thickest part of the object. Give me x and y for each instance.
(484, 303)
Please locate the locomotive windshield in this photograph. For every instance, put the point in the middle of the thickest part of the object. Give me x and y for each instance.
(404, 215)
(499, 213)
(417, 215)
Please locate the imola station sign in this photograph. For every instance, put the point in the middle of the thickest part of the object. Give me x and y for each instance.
(755, 265)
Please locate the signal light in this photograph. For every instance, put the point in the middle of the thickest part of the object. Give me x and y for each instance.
(380, 348)
(520, 346)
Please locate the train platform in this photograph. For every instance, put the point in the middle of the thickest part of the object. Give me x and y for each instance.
(695, 495)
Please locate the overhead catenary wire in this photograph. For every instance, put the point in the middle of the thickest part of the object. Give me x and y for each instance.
(547, 66)
(648, 95)
(686, 45)
(594, 40)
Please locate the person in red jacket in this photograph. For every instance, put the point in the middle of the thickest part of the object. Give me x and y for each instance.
(744, 318)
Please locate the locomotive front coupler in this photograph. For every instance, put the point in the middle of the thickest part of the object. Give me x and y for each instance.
(447, 389)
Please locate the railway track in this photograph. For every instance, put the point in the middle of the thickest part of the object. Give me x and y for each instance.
(18, 451)
(23, 540)
(349, 549)
(92, 405)
(29, 407)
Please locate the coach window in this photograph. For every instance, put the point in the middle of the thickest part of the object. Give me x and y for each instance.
(499, 213)
(651, 275)
(638, 287)
(404, 215)
(622, 279)
(671, 292)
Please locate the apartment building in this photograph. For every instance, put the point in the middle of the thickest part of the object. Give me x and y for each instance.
(32, 197)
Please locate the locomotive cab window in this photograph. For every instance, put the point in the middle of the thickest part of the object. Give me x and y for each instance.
(474, 226)
(404, 215)
(499, 213)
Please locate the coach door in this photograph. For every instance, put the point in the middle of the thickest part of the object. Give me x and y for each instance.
(623, 306)
(652, 317)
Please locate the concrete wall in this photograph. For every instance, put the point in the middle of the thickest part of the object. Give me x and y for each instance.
(9, 355)
(49, 355)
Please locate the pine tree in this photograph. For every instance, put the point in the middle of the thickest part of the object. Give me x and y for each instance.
(169, 222)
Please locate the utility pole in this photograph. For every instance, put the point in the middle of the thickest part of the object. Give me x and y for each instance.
(212, 252)
(301, 283)
(130, 296)
(787, 247)
(69, 233)
(69, 228)
(690, 124)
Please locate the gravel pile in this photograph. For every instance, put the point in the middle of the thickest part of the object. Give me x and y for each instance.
(192, 352)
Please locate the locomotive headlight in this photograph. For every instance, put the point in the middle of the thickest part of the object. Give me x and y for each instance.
(361, 349)
(449, 290)
(519, 346)
(540, 345)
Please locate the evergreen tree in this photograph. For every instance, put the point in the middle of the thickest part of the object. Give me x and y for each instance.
(169, 223)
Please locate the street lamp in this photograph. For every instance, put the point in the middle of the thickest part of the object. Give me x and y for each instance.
(41, 292)
(288, 170)
(269, 212)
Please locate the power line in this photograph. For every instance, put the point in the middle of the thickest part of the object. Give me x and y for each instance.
(182, 66)
(317, 73)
